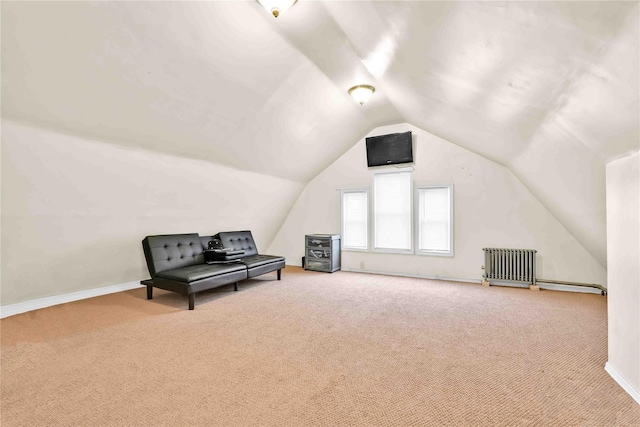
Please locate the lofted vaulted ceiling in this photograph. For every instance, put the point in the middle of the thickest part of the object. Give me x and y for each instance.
(550, 90)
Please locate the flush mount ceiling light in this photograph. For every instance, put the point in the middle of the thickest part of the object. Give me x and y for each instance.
(361, 93)
(277, 7)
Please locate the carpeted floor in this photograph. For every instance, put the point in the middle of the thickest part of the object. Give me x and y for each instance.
(316, 349)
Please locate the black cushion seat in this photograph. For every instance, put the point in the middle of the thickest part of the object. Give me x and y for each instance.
(196, 272)
(256, 263)
(261, 264)
(259, 260)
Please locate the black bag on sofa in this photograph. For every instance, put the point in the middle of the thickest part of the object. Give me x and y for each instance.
(222, 255)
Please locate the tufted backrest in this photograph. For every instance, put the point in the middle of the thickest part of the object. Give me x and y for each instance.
(239, 240)
(204, 240)
(170, 251)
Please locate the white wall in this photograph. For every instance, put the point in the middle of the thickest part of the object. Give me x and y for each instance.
(623, 253)
(492, 209)
(74, 211)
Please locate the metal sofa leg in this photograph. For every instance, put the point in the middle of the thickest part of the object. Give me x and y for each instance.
(279, 271)
(192, 301)
(235, 286)
(149, 292)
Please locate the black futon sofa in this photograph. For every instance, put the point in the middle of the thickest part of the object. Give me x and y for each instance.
(177, 263)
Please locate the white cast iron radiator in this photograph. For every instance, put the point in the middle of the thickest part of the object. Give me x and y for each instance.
(512, 265)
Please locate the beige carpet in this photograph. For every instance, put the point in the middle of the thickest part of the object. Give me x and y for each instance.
(316, 349)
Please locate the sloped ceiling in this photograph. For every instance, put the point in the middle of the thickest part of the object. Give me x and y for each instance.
(548, 89)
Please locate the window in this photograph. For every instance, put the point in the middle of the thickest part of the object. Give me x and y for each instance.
(435, 220)
(355, 219)
(392, 211)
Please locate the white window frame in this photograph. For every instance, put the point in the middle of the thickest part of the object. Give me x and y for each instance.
(409, 251)
(368, 226)
(450, 252)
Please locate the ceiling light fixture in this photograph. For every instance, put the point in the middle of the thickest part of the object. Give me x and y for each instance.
(361, 93)
(277, 7)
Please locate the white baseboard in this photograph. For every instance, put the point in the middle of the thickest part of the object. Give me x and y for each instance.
(414, 276)
(551, 287)
(635, 394)
(23, 307)
(569, 288)
(548, 286)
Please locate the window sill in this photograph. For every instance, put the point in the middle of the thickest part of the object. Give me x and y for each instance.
(393, 251)
(355, 249)
(438, 254)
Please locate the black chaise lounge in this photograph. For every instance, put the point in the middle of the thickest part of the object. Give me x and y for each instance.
(176, 262)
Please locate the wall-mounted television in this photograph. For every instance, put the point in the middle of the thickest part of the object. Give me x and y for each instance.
(391, 149)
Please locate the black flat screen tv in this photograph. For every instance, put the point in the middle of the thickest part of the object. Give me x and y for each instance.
(391, 149)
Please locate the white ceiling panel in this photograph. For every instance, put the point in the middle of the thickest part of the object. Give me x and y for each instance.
(548, 89)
